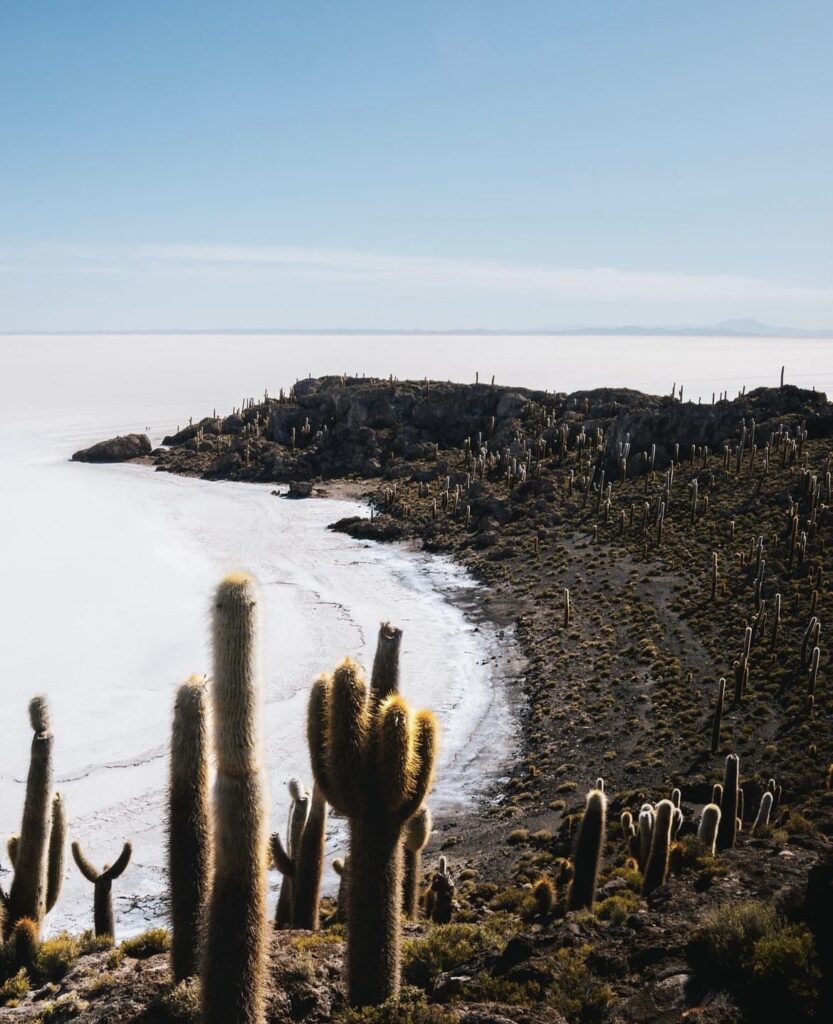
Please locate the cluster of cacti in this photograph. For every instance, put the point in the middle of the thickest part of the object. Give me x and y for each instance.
(37, 852)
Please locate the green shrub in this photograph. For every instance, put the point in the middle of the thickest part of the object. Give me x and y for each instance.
(409, 1008)
(576, 992)
(446, 946)
(89, 942)
(149, 943)
(182, 1002)
(618, 907)
(783, 968)
(56, 956)
(63, 1009)
(15, 988)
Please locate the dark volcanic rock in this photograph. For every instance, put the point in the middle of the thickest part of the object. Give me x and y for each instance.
(116, 449)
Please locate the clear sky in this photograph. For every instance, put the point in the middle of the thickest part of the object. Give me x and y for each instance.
(414, 163)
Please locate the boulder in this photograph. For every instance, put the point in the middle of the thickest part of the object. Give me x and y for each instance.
(116, 449)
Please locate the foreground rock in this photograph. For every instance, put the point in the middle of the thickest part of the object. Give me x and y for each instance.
(116, 449)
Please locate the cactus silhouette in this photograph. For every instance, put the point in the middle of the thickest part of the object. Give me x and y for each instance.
(417, 834)
(342, 869)
(727, 830)
(374, 762)
(439, 900)
(103, 885)
(384, 679)
(234, 936)
(283, 856)
(656, 870)
(28, 893)
(709, 823)
(55, 858)
(588, 855)
(302, 869)
(764, 811)
(189, 827)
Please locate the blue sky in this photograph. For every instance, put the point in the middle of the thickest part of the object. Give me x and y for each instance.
(469, 163)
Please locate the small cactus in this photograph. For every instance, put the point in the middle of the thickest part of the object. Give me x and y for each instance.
(341, 868)
(709, 824)
(103, 919)
(764, 811)
(588, 855)
(283, 857)
(416, 836)
(55, 858)
(544, 895)
(23, 944)
(309, 865)
(439, 900)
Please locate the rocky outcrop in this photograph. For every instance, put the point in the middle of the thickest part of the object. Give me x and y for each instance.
(116, 449)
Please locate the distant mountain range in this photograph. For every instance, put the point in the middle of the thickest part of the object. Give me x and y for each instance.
(738, 328)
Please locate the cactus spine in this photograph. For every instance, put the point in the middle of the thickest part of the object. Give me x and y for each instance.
(709, 823)
(234, 941)
(727, 831)
(374, 763)
(417, 834)
(189, 828)
(27, 896)
(588, 856)
(656, 870)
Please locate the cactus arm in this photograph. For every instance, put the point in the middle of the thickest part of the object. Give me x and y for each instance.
(55, 860)
(12, 846)
(318, 715)
(384, 679)
(283, 862)
(396, 755)
(84, 866)
(426, 753)
(121, 863)
(347, 739)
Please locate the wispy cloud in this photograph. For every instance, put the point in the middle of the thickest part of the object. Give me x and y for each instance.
(271, 269)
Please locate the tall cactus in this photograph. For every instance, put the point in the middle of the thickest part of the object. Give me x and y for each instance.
(417, 834)
(384, 678)
(57, 846)
(234, 937)
(102, 881)
(656, 870)
(588, 856)
(728, 829)
(28, 893)
(374, 763)
(189, 825)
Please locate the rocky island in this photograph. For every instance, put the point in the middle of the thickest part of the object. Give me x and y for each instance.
(660, 848)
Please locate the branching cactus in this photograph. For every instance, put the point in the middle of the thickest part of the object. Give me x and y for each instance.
(588, 855)
(374, 762)
(727, 831)
(417, 834)
(189, 825)
(709, 824)
(234, 936)
(284, 856)
(103, 885)
(28, 893)
(309, 865)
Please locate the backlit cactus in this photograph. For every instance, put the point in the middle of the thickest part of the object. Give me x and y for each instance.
(29, 888)
(384, 678)
(374, 763)
(189, 825)
(727, 831)
(764, 811)
(588, 853)
(302, 868)
(709, 824)
(416, 836)
(103, 919)
(283, 856)
(656, 870)
(234, 937)
(439, 900)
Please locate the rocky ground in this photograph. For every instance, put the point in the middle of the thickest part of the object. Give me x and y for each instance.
(673, 526)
